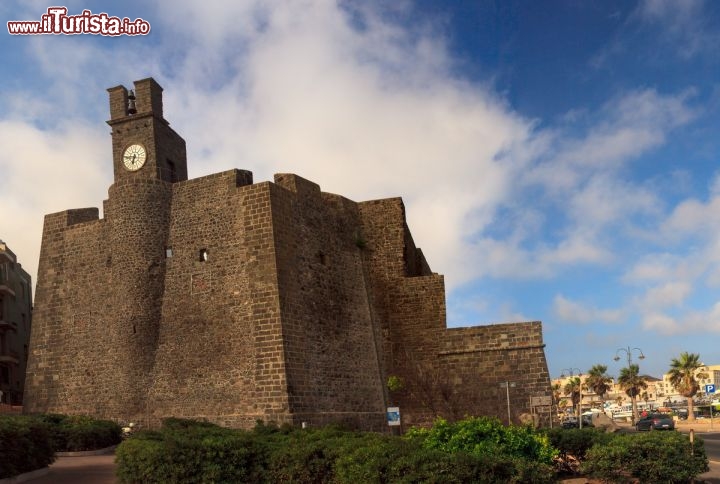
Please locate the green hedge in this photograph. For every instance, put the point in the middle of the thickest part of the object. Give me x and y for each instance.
(666, 457)
(25, 445)
(482, 436)
(73, 433)
(397, 461)
(184, 452)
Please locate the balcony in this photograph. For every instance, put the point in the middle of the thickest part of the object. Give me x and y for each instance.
(10, 357)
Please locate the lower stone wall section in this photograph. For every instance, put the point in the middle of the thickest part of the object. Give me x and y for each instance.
(483, 360)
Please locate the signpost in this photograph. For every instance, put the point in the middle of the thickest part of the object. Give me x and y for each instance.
(393, 416)
(710, 389)
(542, 401)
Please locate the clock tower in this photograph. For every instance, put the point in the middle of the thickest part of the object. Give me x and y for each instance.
(148, 159)
(143, 143)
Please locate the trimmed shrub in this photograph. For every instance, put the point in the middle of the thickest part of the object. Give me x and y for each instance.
(25, 445)
(310, 455)
(653, 457)
(305, 456)
(72, 433)
(481, 436)
(577, 442)
(185, 452)
(140, 459)
(393, 460)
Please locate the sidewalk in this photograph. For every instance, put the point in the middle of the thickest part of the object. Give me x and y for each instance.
(96, 469)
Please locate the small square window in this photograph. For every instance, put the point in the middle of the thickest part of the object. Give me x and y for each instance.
(203, 255)
(168, 252)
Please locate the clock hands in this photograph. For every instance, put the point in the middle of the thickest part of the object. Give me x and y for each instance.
(131, 159)
(134, 157)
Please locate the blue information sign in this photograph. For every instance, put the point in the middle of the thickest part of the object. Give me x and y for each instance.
(709, 388)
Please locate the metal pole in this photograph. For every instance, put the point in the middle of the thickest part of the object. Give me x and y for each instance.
(580, 407)
(507, 389)
(628, 353)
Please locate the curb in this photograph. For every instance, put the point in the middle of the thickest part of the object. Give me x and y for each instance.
(85, 453)
(26, 476)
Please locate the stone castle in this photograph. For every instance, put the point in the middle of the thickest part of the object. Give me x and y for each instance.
(223, 299)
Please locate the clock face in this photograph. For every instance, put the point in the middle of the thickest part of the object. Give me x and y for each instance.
(134, 157)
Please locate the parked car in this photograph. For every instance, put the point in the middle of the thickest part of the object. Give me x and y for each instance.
(572, 422)
(655, 421)
(682, 413)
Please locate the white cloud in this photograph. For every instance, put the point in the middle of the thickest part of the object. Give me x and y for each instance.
(368, 109)
(655, 268)
(674, 11)
(683, 23)
(695, 321)
(580, 177)
(661, 322)
(605, 200)
(667, 295)
(46, 172)
(575, 312)
(367, 113)
(626, 127)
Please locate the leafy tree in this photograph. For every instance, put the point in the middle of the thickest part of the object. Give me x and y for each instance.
(684, 377)
(598, 380)
(573, 387)
(631, 381)
(556, 392)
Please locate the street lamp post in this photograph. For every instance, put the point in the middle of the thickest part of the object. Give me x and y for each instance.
(628, 352)
(571, 373)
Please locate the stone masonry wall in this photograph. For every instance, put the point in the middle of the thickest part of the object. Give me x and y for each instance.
(332, 361)
(68, 365)
(138, 221)
(219, 351)
(481, 358)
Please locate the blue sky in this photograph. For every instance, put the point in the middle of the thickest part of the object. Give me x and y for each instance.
(558, 159)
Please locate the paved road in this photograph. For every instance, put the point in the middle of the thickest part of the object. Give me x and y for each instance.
(97, 469)
(712, 449)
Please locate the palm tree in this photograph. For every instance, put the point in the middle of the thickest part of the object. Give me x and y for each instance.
(556, 392)
(631, 381)
(684, 376)
(598, 381)
(573, 388)
(556, 396)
